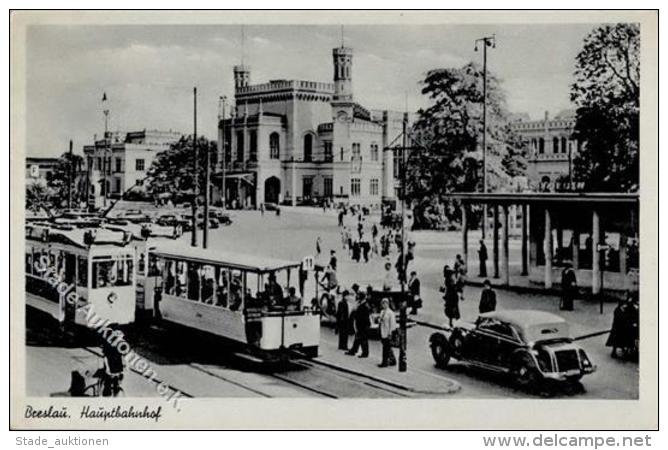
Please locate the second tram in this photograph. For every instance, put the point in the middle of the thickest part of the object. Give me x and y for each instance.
(247, 300)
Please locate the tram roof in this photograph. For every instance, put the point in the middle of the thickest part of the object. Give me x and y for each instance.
(240, 261)
(75, 236)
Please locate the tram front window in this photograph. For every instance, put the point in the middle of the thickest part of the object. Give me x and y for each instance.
(82, 271)
(112, 273)
(153, 266)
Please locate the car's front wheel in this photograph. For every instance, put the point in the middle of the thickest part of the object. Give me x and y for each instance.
(525, 373)
(440, 350)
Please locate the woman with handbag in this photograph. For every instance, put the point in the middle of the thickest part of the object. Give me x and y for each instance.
(388, 325)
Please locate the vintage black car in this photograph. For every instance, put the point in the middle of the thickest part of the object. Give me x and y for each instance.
(530, 346)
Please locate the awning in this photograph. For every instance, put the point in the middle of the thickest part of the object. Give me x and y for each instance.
(247, 177)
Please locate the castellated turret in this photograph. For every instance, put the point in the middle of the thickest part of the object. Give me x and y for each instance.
(241, 76)
(343, 72)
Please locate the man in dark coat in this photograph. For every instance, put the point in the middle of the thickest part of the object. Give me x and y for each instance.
(332, 259)
(624, 330)
(451, 296)
(414, 290)
(362, 325)
(342, 321)
(487, 299)
(568, 288)
(482, 256)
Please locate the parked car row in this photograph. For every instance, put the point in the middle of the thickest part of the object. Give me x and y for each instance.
(173, 219)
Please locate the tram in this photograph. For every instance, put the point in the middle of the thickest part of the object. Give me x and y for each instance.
(80, 276)
(246, 300)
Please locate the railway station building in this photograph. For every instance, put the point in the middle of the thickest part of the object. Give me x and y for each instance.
(552, 148)
(301, 142)
(595, 233)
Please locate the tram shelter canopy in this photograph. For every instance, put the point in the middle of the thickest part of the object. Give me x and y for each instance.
(549, 219)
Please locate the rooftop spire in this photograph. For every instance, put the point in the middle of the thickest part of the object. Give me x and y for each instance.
(342, 37)
(243, 44)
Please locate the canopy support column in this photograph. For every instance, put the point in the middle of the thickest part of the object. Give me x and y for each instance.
(547, 250)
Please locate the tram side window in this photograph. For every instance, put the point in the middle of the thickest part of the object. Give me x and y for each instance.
(208, 284)
(170, 277)
(194, 281)
(236, 290)
(82, 271)
(223, 287)
(254, 297)
(112, 273)
(181, 279)
(28, 261)
(40, 260)
(141, 264)
(52, 261)
(60, 264)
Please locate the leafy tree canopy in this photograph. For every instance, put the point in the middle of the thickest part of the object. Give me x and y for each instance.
(606, 92)
(173, 170)
(450, 130)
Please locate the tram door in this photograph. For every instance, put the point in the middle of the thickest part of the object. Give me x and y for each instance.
(70, 280)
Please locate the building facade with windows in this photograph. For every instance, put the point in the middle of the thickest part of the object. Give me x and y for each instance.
(40, 170)
(301, 142)
(552, 148)
(121, 160)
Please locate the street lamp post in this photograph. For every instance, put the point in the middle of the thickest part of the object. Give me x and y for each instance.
(107, 148)
(221, 121)
(488, 41)
(402, 276)
(193, 240)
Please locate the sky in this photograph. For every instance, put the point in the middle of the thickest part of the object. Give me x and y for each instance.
(148, 72)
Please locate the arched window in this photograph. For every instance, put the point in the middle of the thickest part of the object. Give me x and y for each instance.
(252, 152)
(555, 145)
(274, 146)
(308, 147)
(240, 146)
(563, 145)
(541, 145)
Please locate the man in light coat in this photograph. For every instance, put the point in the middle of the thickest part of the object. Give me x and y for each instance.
(387, 324)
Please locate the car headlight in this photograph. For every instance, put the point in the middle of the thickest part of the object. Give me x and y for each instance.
(586, 362)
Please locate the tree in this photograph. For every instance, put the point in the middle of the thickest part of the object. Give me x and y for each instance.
(451, 130)
(172, 172)
(606, 92)
(37, 197)
(59, 183)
